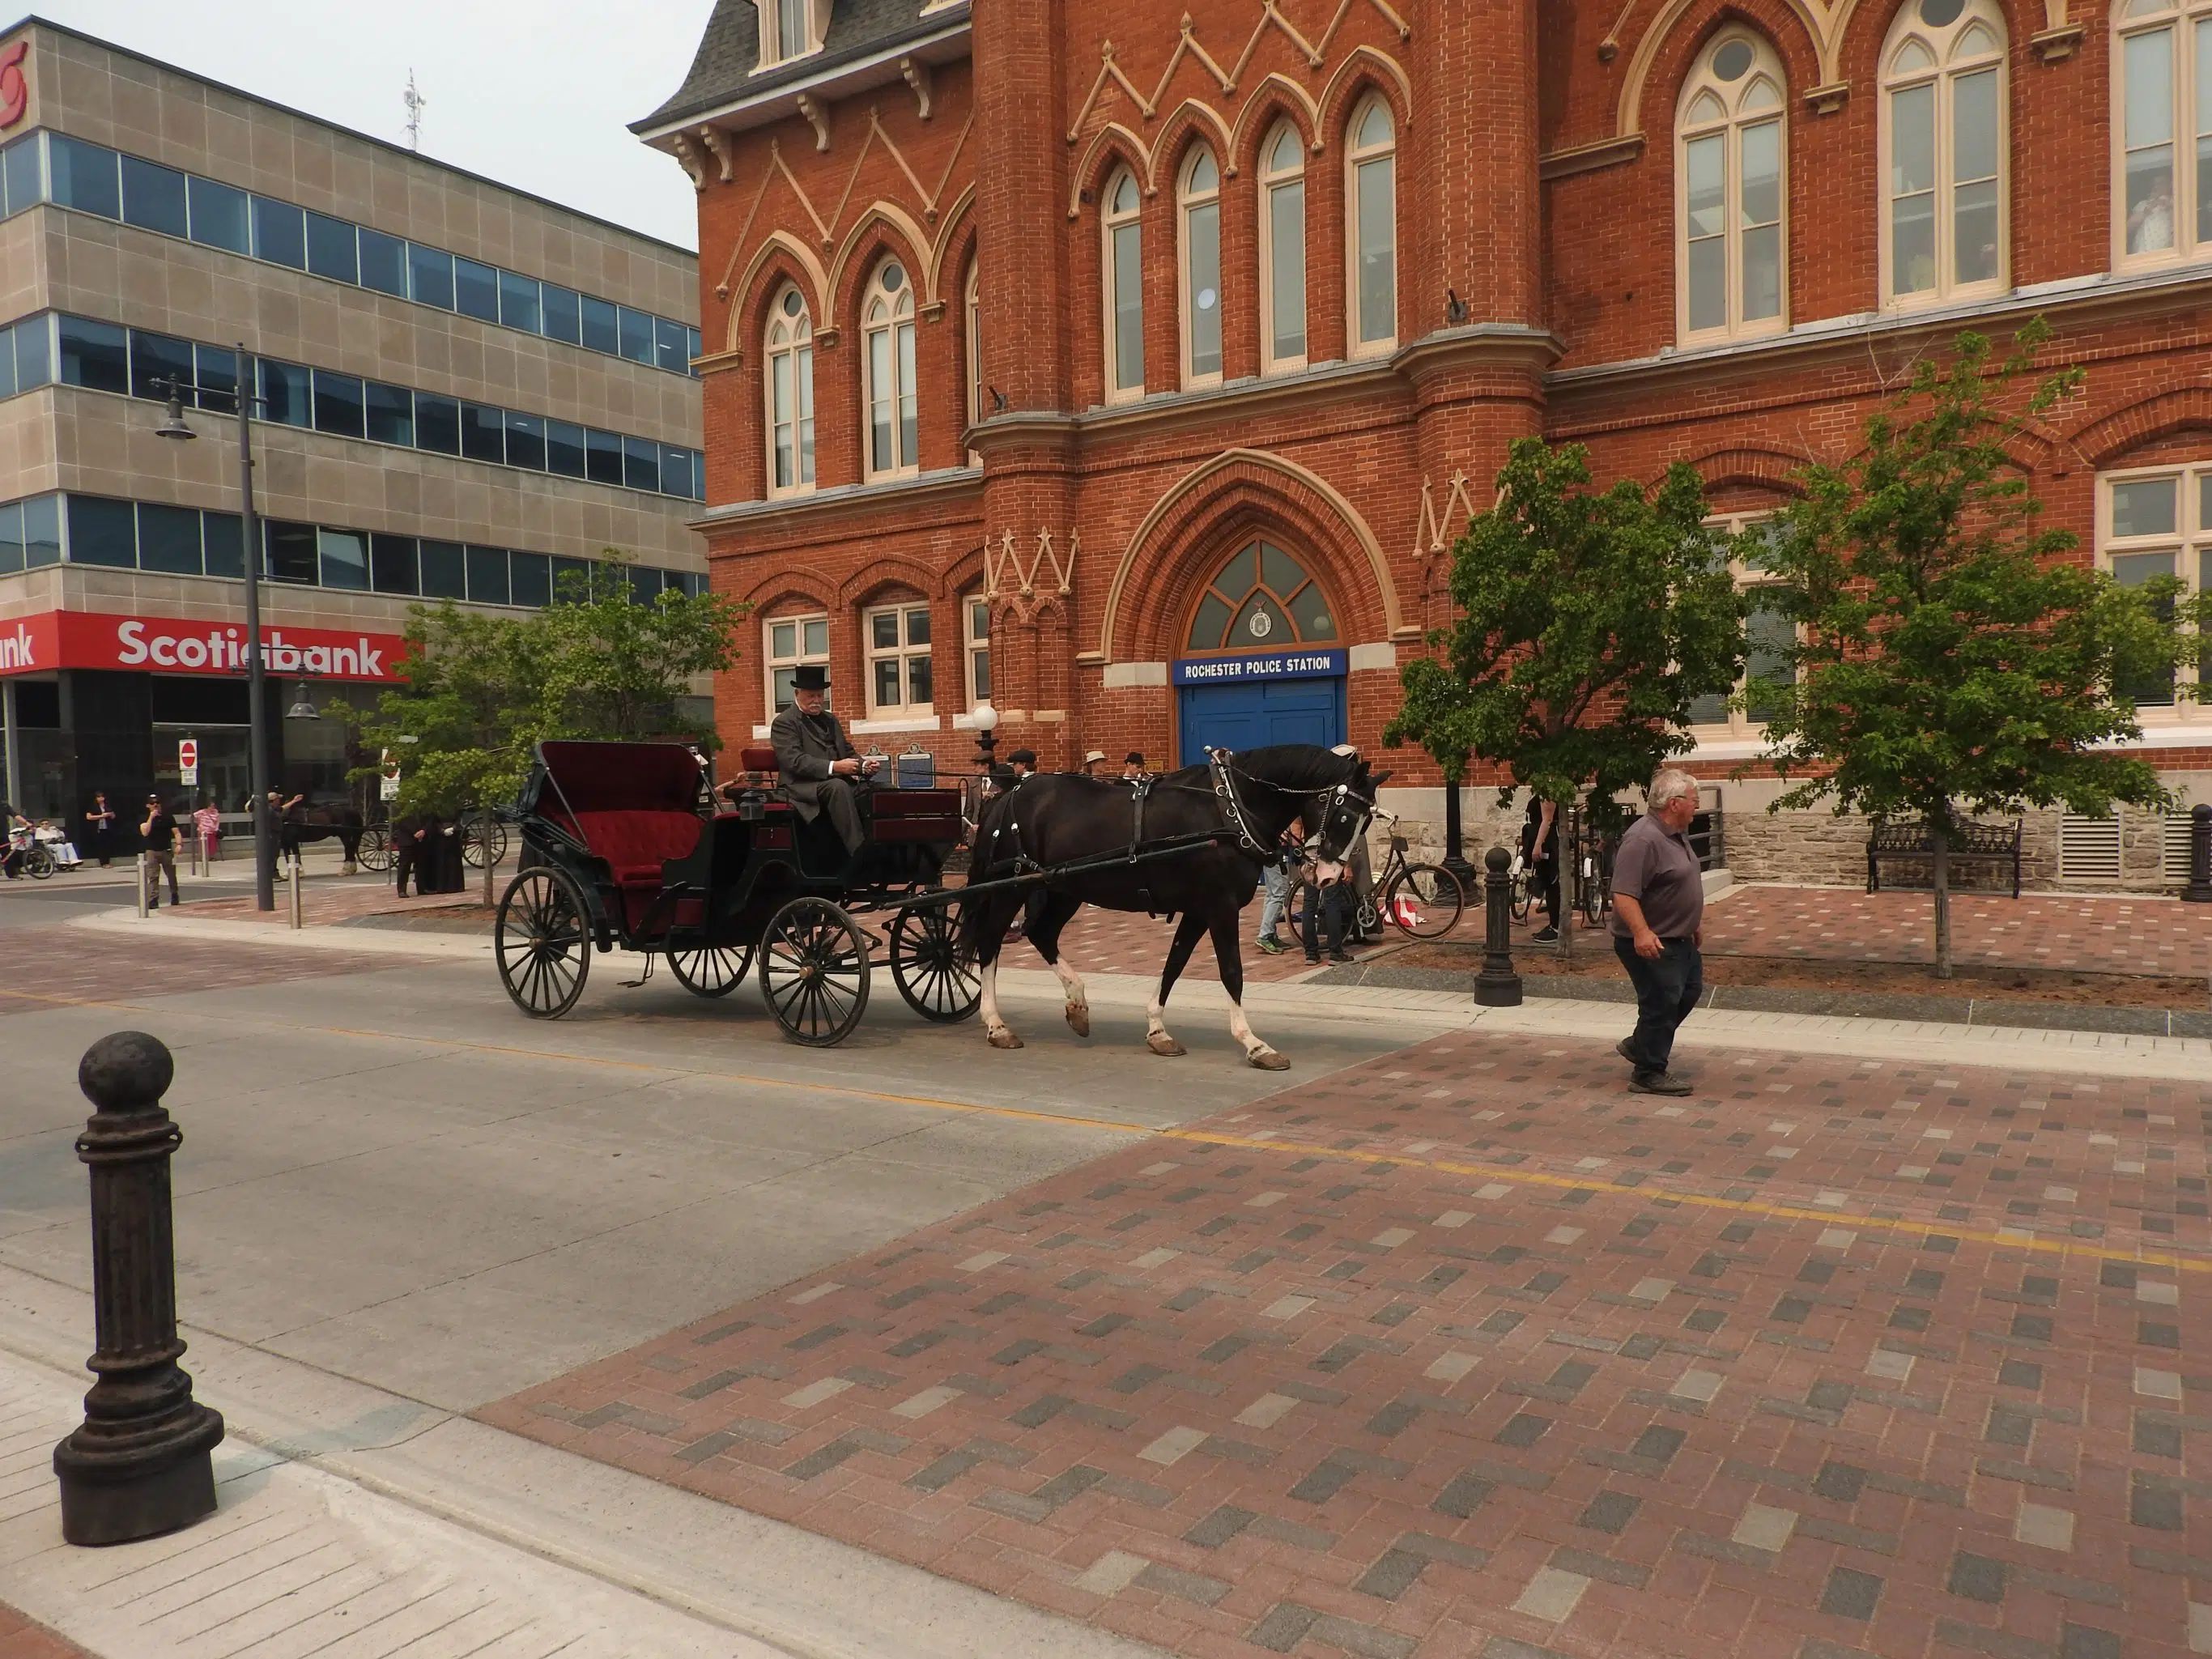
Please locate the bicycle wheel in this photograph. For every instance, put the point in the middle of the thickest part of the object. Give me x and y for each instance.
(1524, 896)
(1424, 901)
(1591, 899)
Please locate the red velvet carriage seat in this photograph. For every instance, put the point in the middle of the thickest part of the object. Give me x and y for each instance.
(632, 804)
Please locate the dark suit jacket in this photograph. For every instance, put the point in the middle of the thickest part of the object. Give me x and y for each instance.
(804, 750)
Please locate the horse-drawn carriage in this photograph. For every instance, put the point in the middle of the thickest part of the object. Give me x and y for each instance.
(621, 846)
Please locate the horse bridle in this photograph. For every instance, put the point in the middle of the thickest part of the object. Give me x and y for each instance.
(1225, 789)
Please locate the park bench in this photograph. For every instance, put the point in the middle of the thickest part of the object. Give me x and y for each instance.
(1986, 843)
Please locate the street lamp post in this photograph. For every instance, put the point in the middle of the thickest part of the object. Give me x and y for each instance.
(1454, 846)
(257, 739)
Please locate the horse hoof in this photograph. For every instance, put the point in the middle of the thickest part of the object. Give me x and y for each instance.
(1078, 1018)
(1004, 1038)
(1161, 1044)
(1267, 1060)
(345, 869)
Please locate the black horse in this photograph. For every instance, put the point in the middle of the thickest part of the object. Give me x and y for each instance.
(300, 824)
(1245, 800)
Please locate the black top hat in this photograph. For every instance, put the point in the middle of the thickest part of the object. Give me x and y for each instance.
(1135, 757)
(810, 676)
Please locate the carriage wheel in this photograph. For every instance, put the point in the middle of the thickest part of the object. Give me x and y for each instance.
(814, 971)
(709, 970)
(544, 946)
(1424, 900)
(927, 968)
(483, 837)
(377, 853)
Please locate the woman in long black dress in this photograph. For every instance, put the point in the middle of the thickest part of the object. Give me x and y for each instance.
(100, 829)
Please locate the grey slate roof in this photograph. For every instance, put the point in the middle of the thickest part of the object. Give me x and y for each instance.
(721, 72)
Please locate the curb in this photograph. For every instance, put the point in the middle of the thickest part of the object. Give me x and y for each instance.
(1844, 1004)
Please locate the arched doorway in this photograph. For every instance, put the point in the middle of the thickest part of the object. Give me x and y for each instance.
(1261, 661)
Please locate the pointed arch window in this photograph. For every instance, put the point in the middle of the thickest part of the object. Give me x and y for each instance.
(1198, 193)
(1283, 251)
(974, 313)
(1125, 287)
(2162, 189)
(1730, 188)
(1372, 223)
(1943, 143)
(1261, 598)
(790, 357)
(894, 409)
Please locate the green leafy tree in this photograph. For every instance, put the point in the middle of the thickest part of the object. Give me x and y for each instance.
(1587, 622)
(482, 690)
(1949, 653)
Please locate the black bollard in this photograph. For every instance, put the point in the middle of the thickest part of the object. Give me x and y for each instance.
(2199, 890)
(1497, 985)
(139, 1464)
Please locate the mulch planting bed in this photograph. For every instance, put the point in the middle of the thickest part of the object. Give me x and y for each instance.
(1594, 959)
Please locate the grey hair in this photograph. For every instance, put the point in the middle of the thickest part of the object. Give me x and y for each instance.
(1670, 784)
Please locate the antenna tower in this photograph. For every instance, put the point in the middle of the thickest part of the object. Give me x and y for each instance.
(416, 103)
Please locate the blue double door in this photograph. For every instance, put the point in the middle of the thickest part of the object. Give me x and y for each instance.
(1261, 712)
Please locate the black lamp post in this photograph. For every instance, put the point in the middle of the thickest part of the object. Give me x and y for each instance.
(174, 425)
(1455, 849)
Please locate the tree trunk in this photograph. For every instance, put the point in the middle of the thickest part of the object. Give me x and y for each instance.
(1939, 841)
(1567, 821)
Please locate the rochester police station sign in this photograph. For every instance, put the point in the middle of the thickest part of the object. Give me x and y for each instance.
(1280, 665)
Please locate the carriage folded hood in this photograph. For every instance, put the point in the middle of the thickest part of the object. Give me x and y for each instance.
(615, 777)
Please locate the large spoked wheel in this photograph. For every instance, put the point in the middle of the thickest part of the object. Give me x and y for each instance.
(814, 971)
(927, 966)
(377, 852)
(39, 861)
(709, 970)
(483, 841)
(1424, 901)
(544, 946)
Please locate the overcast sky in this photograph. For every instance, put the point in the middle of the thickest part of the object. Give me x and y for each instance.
(535, 94)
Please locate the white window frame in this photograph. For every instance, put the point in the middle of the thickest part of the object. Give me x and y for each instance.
(1739, 725)
(807, 15)
(1273, 178)
(772, 661)
(1944, 76)
(904, 653)
(888, 388)
(2186, 22)
(1192, 197)
(972, 310)
(2190, 544)
(1737, 118)
(1121, 215)
(788, 350)
(1359, 161)
(975, 648)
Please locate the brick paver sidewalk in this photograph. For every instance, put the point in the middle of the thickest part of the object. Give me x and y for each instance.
(1467, 1352)
(2114, 935)
(61, 965)
(19, 1638)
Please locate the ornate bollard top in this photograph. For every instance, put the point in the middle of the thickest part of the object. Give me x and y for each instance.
(1497, 860)
(126, 1072)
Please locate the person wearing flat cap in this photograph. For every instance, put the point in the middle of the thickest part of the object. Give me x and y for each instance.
(818, 769)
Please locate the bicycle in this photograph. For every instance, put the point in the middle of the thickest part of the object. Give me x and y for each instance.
(1420, 900)
(1593, 855)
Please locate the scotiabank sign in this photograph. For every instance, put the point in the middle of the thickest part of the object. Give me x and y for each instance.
(164, 644)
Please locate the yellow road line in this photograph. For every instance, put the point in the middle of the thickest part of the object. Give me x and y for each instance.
(1300, 1149)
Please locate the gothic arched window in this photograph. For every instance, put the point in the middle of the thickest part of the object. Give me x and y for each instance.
(1262, 597)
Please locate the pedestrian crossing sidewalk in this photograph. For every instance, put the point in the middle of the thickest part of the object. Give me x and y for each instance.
(297, 1561)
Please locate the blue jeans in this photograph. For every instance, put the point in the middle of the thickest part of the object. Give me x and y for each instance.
(1276, 898)
(1667, 987)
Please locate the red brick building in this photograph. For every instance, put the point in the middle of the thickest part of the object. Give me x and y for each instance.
(1138, 363)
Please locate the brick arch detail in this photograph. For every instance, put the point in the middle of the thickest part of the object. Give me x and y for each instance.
(955, 241)
(774, 588)
(1240, 488)
(1768, 468)
(1823, 29)
(2110, 437)
(874, 234)
(1185, 124)
(779, 256)
(1365, 70)
(965, 571)
(1277, 97)
(1110, 145)
(889, 571)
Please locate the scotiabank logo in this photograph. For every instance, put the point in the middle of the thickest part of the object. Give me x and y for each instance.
(15, 90)
(18, 650)
(223, 650)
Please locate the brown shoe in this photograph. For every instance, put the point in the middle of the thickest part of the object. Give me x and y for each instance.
(1659, 1083)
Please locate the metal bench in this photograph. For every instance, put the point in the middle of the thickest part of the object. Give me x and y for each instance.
(1986, 843)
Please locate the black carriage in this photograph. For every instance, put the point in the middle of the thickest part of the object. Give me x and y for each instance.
(622, 844)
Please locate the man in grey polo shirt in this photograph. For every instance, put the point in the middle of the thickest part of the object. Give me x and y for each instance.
(1658, 914)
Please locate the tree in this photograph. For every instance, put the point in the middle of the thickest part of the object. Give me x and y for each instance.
(1586, 623)
(1948, 650)
(482, 691)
